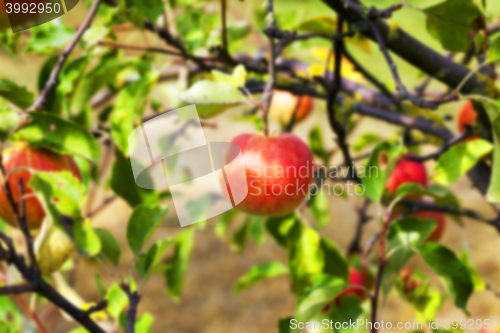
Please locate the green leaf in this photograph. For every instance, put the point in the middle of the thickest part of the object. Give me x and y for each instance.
(459, 159)
(123, 184)
(335, 263)
(403, 235)
(236, 79)
(151, 9)
(365, 140)
(152, 257)
(319, 209)
(454, 273)
(144, 324)
(477, 280)
(142, 223)
(212, 98)
(53, 132)
(49, 37)
(451, 21)
(101, 290)
(494, 51)
(177, 264)
(239, 239)
(259, 273)
(86, 238)
(316, 144)
(278, 227)
(19, 96)
(93, 35)
(9, 121)
(493, 112)
(323, 291)
(117, 300)
(349, 310)
(284, 325)
(305, 258)
(238, 31)
(322, 24)
(12, 319)
(129, 109)
(61, 193)
(109, 245)
(256, 229)
(425, 300)
(102, 75)
(377, 173)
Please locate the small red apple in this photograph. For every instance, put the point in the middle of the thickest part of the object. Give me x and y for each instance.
(37, 159)
(440, 219)
(283, 107)
(407, 172)
(355, 279)
(279, 169)
(466, 117)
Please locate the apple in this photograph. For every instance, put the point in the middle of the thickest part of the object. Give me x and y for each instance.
(279, 169)
(37, 159)
(466, 117)
(55, 249)
(407, 171)
(355, 279)
(283, 107)
(440, 219)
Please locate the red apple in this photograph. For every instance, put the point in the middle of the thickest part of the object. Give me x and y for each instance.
(283, 107)
(279, 169)
(440, 219)
(407, 172)
(466, 117)
(37, 159)
(355, 279)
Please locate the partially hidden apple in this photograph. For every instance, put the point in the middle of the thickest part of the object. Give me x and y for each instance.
(407, 171)
(279, 169)
(56, 248)
(440, 219)
(285, 105)
(355, 280)
(38, 159)
(466, 117)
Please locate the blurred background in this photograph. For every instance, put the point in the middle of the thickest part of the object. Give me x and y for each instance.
(208, 303)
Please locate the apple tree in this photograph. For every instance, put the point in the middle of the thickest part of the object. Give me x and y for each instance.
(68, 137)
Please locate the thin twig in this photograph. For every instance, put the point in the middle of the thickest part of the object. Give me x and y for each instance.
(355, 247)
(17, 289)
(133, 298)
(51, 83)
(372, 79)
(267, 95)
(224, 28)
(444, 148)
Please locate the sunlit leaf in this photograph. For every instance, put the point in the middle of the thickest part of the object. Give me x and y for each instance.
(259, 273)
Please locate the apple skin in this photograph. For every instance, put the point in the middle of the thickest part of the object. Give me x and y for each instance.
(355, 279)
(466, 117)
(283, 107)
(407, 172)
(271, 192)
(37, 159)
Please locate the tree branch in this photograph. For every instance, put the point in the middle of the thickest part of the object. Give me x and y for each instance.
(414, 52)
(51, 83)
